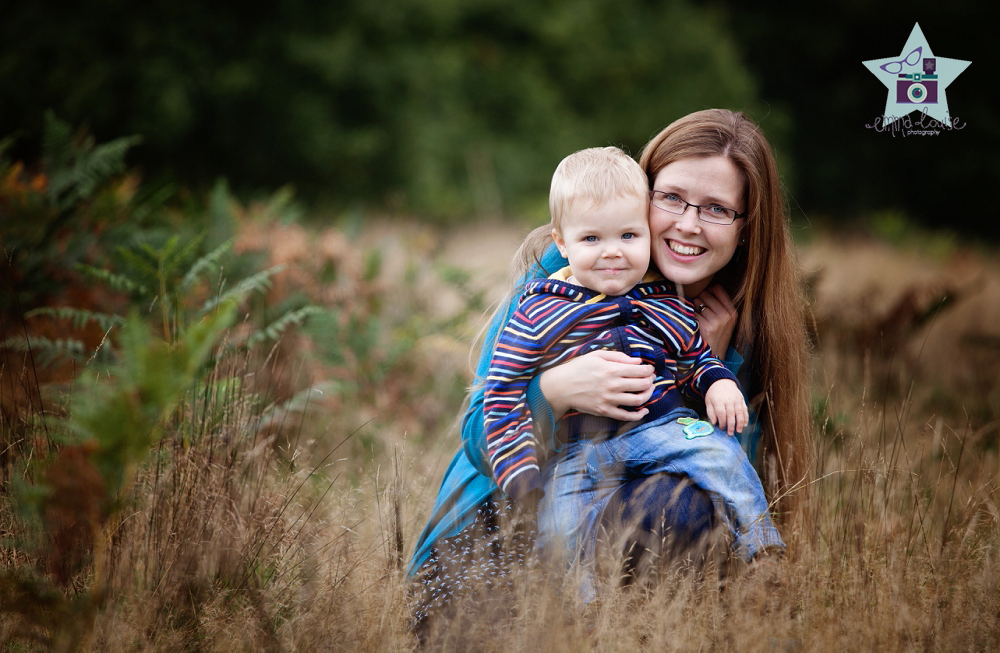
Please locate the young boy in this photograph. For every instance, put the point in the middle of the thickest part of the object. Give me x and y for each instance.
(605, 299)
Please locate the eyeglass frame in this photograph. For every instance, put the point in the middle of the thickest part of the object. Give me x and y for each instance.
(698, 207)
(919, 50)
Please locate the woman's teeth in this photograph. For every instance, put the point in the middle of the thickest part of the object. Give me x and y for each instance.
(685, 250)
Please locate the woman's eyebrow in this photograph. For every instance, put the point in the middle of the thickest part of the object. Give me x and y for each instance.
(710, 199)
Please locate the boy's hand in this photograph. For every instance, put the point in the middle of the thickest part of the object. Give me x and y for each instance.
(726, 407)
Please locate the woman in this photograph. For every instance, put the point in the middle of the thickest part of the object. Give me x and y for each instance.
(742, 279)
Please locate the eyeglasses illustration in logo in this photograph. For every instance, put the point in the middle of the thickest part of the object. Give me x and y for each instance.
(893, 67)
(916, 79)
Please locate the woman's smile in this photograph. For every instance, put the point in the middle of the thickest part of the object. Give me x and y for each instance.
(686, 249)
(683, 249)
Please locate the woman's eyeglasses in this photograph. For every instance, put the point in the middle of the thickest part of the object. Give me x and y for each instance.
(712, 213)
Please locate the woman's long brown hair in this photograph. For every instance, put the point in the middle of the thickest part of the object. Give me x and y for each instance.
(762, 278)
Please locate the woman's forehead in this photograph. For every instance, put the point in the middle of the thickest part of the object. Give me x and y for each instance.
(703, 179)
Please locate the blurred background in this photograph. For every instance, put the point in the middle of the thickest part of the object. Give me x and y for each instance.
(247, 248)
(449, 109)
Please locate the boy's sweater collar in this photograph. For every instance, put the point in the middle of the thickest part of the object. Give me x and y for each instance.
(566, 272)
(652, 285)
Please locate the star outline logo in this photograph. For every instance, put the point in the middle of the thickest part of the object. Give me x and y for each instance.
(916, 79)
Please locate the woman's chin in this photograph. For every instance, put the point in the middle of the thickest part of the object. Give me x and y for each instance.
(684, 276)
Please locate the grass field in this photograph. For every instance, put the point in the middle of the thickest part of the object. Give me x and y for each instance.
(284, 490)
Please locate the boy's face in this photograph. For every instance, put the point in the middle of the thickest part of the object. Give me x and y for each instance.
(607, 245)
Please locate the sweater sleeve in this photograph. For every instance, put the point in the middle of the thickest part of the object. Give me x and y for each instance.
(510, 443)
(473, 426)
(733, 361)
(705, 369)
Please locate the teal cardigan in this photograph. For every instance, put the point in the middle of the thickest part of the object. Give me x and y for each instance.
(468, 483)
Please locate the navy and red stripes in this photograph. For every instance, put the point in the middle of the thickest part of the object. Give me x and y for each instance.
(556, 321)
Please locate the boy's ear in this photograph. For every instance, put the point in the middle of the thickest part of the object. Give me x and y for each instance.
(560, 243)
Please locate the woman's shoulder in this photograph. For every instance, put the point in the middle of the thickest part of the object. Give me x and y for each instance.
(551, 261)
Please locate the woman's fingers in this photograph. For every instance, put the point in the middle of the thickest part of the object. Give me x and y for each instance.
(626, 397)
(716, 299)
(622, 415)
(716, 318)
(599, 383)
(635, 365)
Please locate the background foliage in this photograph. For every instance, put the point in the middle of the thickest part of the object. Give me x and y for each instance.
(436, 106)
(451, 108)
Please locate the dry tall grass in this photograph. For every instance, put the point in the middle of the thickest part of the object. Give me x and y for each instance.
(284, 529)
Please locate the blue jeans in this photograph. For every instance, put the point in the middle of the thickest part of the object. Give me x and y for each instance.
(582, 478)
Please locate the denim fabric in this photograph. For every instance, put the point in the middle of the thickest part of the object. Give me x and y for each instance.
(662, 516)
(580, 483)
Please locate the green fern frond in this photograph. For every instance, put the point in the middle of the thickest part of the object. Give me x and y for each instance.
(46, 351)
(77, 168)
(79, 317)
(207, 263)
(93, 167)
(220, 204)
(275, 329)
(168, 256)
(106, 160)
(255, 283)
(183, 257)
(151, 201)
(114, 281)
(126, 406)
(279, 207)
(140, 263)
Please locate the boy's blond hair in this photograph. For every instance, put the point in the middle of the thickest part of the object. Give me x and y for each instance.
(595, 175)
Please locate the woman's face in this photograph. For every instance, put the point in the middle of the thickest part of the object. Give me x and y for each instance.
(687, 250)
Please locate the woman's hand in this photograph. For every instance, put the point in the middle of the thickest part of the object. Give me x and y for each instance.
(716, 320)
(599, 383)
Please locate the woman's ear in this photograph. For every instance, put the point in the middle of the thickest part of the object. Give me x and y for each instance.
(560, 243)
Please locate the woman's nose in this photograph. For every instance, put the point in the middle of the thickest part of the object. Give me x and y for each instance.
(688, 221)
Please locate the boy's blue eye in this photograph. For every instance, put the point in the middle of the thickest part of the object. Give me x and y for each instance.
(628, 236)
(590, 239)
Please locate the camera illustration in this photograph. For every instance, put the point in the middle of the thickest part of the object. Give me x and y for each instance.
(918, 88)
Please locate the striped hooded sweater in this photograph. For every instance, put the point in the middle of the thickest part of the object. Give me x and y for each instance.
(555, 321)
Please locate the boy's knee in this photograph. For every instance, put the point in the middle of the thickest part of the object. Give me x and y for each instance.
(722, 449)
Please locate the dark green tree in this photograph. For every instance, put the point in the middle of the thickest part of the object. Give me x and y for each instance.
(436, 106)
